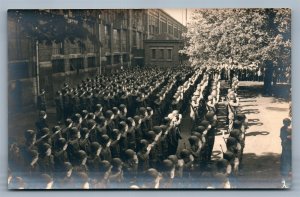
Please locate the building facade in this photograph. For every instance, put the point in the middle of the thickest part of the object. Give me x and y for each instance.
(122, 34)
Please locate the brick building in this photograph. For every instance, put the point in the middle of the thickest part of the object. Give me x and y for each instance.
(162, 50)
(123, 35)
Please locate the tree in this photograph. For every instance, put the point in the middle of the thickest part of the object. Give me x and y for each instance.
(57, 26)
(217, 36)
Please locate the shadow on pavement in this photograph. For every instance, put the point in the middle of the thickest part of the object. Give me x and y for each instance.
(262, 166)
(255, 133)
(250, 111)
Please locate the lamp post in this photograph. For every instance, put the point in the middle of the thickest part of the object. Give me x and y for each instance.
(100, 48)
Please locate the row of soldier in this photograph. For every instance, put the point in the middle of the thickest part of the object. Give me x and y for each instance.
(114, 150)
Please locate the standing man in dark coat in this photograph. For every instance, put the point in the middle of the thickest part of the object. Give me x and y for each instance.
(59, 106)
(41, 101)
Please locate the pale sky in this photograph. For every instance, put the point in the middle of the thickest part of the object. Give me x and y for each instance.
(179, 14)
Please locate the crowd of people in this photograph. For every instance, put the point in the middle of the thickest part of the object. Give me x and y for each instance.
(123, 131)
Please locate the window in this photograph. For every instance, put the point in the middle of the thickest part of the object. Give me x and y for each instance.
(161, 53)
(116, 39)
(153, 53)
(76, 64)
(58, 66)
(169, 53)
(116, 59)
(91, 62)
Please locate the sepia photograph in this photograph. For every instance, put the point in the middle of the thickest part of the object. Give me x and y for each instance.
(159, 99)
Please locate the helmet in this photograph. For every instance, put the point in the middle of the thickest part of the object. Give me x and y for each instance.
(184, 153)
(129, 153)
(193, 139)
(167, 165)
(116, 162)
(94, 147)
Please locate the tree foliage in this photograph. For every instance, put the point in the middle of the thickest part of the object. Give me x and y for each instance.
(217, 36)
(51, 26)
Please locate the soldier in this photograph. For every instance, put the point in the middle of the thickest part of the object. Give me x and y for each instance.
(31, 168)
(195, 150)
(138, 131)
(116, 176)
(41, 122)
(210, 104)
(25, 149)
(46, 159)
(74, 145)
(77, 120)
(233, 104)
(153, 154)
(187, 162)
(45, 137)
(84, 115)
(130, 166)
(45, 181)
(221, 175)
(115, 143)
(60, 155)
(56, 134)
(105, 153)
(173, 138)
(233, 154)
(143, 156)
(41, 101)
(91, 126)
(168, 174)
(93, 161)
(81, 181)
(285, 160)
(80, 163)
(66, 131)
(100, 127)
(123, 112)
(104, 173)
(66, 103)
(14, 158)
(149, 116)
(152, 179)
(110, 123)
(131, 138)
(59, 106)
(211, 118)
(84, 141)
(64, 180)
(98, 110)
